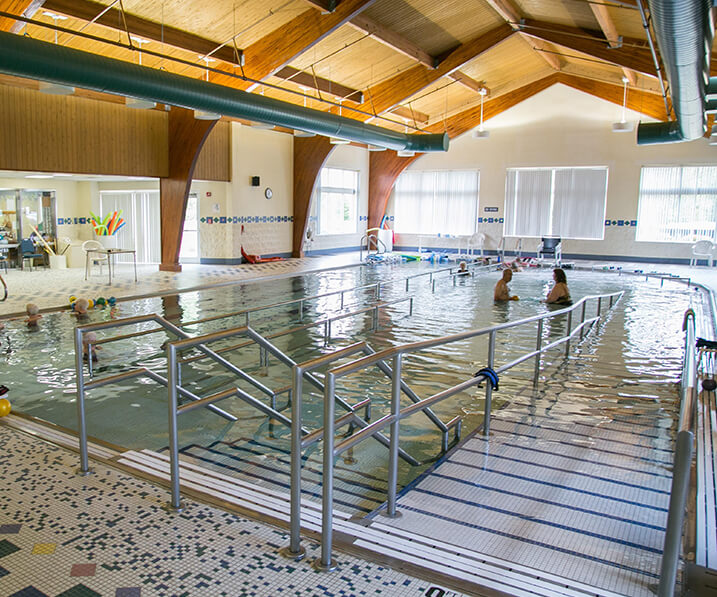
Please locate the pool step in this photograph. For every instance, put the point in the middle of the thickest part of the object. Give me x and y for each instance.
(268, 465)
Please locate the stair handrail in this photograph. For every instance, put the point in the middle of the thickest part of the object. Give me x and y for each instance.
(331, 450)
(681, 469)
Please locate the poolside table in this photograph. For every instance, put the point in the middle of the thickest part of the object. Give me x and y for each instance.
(110, 253)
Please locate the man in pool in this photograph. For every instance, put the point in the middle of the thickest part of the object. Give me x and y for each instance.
(501, 292)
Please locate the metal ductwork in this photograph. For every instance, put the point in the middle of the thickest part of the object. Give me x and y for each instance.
(684, 32)
(30, 58)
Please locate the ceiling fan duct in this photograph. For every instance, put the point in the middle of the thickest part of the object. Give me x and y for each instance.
(25, 57)
(684, 31)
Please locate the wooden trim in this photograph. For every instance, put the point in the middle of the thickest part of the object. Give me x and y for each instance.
(310, 154)
(506, 9)
(186, 135)
(467, 81)
(214, 160)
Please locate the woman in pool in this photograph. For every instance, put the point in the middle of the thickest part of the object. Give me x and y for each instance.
(559, 293)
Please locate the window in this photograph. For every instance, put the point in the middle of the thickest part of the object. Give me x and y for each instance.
(564, 202)
(677, 204)
(436, 202)
(338, 201)
(140, 210)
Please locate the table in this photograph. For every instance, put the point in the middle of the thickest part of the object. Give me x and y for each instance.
(110, 253)
(7, 247)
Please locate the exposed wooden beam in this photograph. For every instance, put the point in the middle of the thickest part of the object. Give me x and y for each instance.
(144, 28)
(393, 40)
(602, 16)
(276, 50)
(306, 80)
(506, 9)
(631, 76)
(383, 169)
(649, 104)
(410, 114)
(467, 81)
(400, 87)
(325, 6)
(16, 7)
(543, 51)
(633, 54)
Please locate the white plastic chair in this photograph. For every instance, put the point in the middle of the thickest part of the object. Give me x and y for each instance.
(702, 249)
(95, 258)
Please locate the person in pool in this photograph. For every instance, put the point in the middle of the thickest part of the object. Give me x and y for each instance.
(559, 293)
(462, 269)
(501, 292)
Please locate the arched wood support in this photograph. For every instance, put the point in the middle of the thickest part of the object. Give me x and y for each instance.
(384, 169)
(310, 153)
(186, 135)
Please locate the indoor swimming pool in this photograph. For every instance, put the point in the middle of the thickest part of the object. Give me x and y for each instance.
(38, 366)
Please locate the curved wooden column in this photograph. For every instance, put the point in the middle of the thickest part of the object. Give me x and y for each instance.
(186, 135)
(384, 169)
(310, 153)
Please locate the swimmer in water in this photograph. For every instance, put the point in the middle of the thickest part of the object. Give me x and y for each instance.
(559, 293)
(502, 292)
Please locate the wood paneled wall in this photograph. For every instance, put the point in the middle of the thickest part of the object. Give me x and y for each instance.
(49, 133)
(71, 134)
(214, 162)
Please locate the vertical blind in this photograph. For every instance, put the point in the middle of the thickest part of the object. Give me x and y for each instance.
(140, 209)
(564, 202)
(436, 202)
(677, 204)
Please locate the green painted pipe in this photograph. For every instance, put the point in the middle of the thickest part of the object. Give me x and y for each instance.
(25, 57)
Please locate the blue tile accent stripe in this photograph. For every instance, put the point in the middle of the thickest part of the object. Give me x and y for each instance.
(245, 219)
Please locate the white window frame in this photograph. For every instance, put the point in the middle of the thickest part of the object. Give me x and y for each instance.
(641, 236)
(346, 191)
(551, 216)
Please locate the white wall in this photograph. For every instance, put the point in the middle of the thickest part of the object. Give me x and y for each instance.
(346, 157)
(573, 129)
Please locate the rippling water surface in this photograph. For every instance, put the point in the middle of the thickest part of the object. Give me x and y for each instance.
(643, 340)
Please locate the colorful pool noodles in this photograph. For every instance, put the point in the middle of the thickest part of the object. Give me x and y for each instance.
(109, 226)
(99, 302)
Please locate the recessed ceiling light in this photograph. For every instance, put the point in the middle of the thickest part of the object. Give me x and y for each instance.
(39, 176)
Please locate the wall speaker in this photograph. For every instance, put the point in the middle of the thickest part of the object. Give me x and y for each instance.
(255, 182)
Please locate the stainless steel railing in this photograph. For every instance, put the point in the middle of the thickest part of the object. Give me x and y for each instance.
(392, 420)
(681, 469)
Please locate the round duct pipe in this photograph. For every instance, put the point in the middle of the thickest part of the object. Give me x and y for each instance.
(25, 57)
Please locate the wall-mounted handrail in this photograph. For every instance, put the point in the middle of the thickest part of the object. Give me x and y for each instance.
(332, 450)
(681, 469)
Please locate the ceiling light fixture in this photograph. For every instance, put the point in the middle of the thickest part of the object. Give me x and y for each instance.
(55, 88)
(203, 114)
(623, 126)
(481, 133)
(375, 148)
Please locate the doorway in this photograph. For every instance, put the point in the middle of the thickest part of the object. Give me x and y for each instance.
(189, 253)
(142, 233)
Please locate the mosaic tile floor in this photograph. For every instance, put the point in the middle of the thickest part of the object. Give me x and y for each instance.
(50, 288)
(67, 536)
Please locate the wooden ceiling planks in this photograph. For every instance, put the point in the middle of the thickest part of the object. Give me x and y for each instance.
(399, 88)
(17, 7)
(277, 49)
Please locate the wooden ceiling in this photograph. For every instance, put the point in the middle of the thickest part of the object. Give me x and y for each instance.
(415, 63)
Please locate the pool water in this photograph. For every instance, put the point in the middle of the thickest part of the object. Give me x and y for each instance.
(38, 366)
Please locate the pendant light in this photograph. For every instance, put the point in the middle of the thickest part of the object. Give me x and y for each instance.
(203, 114)
(55, 88)
(623, 126)
(481, 133)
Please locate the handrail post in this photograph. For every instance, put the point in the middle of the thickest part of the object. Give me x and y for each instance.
(410, 306)
(175, 505)
(393, 448)
(378, 291)
(341, 306)
(325, 562)
(582, 319)
(538, 345)
(295, 551)
(375, 318)
(488, 387)
(567, 333)
(246, 319)
(81, 419)
(433, 284)
(301, 310)
(407, 279)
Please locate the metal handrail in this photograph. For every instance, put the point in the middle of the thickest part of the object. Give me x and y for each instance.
(331, 450)
(682, 463)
